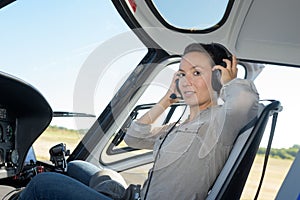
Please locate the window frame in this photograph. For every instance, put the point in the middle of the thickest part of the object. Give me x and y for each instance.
(157, 14)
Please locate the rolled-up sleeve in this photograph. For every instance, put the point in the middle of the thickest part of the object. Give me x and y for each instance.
(241, 103)
(142, 136)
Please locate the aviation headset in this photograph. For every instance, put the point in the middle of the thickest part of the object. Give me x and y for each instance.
(217, 52)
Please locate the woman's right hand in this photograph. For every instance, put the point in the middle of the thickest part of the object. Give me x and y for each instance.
(173, 89)
(150, 116)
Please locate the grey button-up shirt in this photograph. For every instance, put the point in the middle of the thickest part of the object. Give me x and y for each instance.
(194, 152)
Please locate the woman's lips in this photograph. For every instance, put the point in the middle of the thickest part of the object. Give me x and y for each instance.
(188, 93)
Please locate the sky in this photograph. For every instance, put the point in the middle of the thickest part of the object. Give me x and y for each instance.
(47, 44)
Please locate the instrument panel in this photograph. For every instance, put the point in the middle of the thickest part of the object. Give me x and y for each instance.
(8, 153)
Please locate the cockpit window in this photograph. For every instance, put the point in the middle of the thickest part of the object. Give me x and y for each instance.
(61, 48)
(192, 15)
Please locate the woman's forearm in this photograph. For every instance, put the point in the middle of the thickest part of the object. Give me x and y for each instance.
(155, 111)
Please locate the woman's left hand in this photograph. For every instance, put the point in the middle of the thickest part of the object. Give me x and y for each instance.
(229, 72)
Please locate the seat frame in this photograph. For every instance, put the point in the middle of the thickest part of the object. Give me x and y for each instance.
(232, 178)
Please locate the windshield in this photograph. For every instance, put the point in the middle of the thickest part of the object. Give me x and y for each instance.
(52, 44)
(47, 44)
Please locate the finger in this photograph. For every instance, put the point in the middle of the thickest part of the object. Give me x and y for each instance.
(219, 67)
(228, 63)
(234, 64)
(234, 60)
(173, 83)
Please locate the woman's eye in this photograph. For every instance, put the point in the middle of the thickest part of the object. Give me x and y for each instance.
(180, 75)
(197, 73)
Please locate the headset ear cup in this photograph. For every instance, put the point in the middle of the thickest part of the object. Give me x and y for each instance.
(216, 80)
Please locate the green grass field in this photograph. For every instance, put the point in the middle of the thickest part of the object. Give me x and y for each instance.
(53, 136)
(275, 173)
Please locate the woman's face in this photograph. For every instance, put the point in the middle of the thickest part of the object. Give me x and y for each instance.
(195, 73)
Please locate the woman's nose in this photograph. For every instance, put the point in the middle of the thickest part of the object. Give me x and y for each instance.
(187, 80)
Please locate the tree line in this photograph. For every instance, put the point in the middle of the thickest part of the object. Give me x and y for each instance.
(283, 153)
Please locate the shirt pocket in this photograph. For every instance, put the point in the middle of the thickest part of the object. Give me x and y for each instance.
(177, 143)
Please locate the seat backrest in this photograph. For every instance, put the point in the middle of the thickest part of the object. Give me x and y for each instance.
(231, 180)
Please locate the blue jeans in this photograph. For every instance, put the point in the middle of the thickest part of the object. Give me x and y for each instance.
(82, 171)
(54, 186)
(76, 185)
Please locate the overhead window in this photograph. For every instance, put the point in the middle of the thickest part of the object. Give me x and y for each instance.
(196, 15)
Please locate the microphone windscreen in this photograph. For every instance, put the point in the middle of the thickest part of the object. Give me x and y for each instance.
(173, 96)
